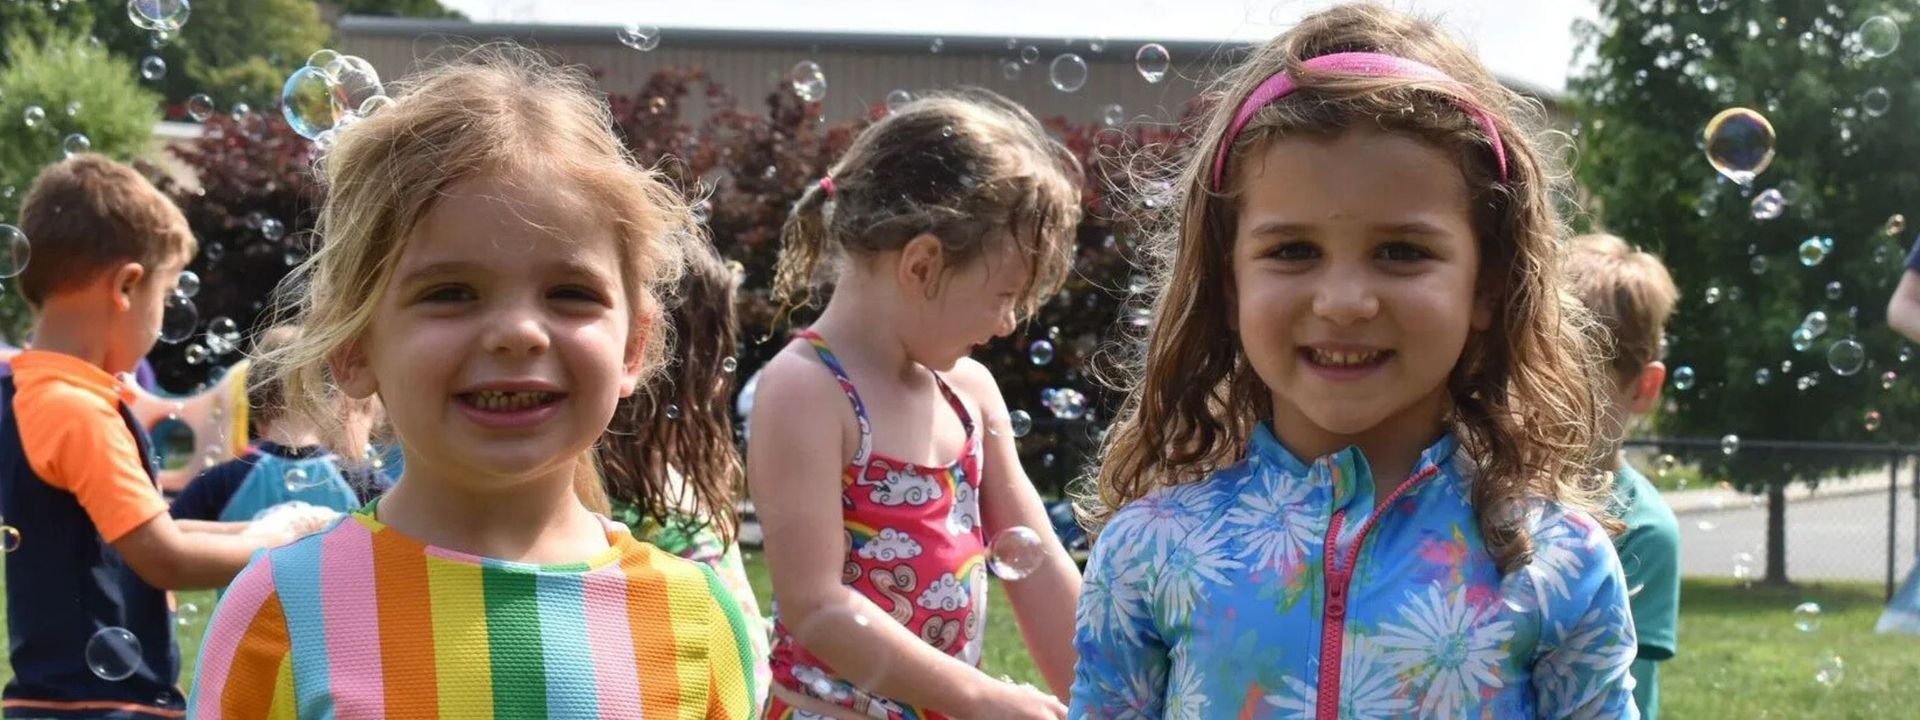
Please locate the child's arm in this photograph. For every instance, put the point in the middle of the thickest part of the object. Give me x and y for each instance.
(245, 657)
(209, 526)
(170, 557)
(1587, 641)
(1123, 664)
(1043, 601)
(793, 471)
(731, 692)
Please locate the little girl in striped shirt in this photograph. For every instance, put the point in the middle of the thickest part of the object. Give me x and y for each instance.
(492, 271)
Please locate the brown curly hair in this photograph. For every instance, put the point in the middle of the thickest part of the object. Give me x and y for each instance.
(1525, 393)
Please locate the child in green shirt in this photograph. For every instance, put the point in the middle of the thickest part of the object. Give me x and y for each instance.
(1631, 295)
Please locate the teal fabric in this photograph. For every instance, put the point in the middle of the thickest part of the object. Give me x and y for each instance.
(1649, 551)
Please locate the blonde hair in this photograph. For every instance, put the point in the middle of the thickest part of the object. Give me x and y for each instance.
(1630, 294)
(1525, 391)
(971, 167)
(495, 109)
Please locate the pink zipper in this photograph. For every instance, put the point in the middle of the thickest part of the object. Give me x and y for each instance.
(1333, 623)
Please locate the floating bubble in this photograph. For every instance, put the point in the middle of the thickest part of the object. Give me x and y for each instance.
(375, 104)
(199, 107)
(297, 479)
(1683, 377)
(1815, 322)
(34, 115)
(936, 46)
(1806, 617)
(640, 37)
(1040, 352)
(75, 144)
(9, 538)
(1010, 69)
(1708, 7)
(729, 364)
(1758, 264)
(1887, 379)
(1706, 526)
(1879, 35)
(1665, 465)
(1834, 288)
(17, 251)
(1066, 403)
(1739, 144)
(1015, 553)
(1067, 73)
(113, 654)
(1729, 444)
(196, 354)
(186, 614)
(1152, 61)
(322, 58)
(1802, 339)
(1021, 423)
(898, 99)
(272, 229)
(1830, 671)
(1871, 421)
(179, 319)
(239, 111)
(311, 102)
(808, 81)
(218, 345)
(1896, 224)
(1875, 101)
(1713, 294)
(224, 328)
(73, 109)
(152, 68)
(1768, 204)
(188, 284)
(1029, 55)
(1113, 115)
(1762, 376)
(1814, 250)
(1846, 357)
(354, 82)
(159, 15)
(672, 411)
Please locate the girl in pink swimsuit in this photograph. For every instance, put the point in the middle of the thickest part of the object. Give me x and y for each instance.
(953, 218)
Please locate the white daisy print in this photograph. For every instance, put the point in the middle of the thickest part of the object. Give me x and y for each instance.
(1451, 649)
(1276, 525)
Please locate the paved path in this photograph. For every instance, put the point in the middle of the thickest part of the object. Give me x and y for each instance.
(1831, 535)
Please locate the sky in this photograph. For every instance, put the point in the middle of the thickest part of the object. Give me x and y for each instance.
(1526, 40)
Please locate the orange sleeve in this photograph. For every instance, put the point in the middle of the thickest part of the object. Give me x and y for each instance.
(79, 444)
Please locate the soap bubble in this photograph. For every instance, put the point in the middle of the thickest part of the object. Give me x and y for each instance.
(9, 538)
(218, 345)
(1021, 423)
(34, 116)
(224, 328)
(898, 99)
(272, 229)
(1113, 115)
(1665, 465)
(354, 82)
(1683, 377)
(1152, 61)
(729, 364)
(1846, 357)
(1815, 322)
(672, 411)
(178, 320)
(239, 111)
(1729, 444)
(199, 107)
(1068, 73)
(188, 284)
(113, 653)
(1761, 376)
(17, 251)
(1066, 403)
(1879, 35)
(152, 68)
(808, 80)
(936, 46)
(311, 102)
(1813, 250)
(1010, 69)
(160, 15)
(1739, 144)
(186, 614)
(196, 354)
(1758, 264)
(1713, 294)
(1875, 101)
(322, 58)
(640, 37)
(297, 479)
(1015, 553)
(375, 104)
(1806, 617)
(1872, 421)
(1040, 352)
(75, 144)
(1830, 671)
(1802, 339)
(1834, 288)
(1896, 224)
(1887, 379)
(1029, 55)
(1768, 204)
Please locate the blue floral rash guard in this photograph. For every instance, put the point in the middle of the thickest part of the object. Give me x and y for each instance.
(1274, 589)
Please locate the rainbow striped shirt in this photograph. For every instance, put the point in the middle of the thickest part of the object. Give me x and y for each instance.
(363, 622)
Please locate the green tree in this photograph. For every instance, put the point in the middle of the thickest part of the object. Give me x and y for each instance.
(400, 8)
(1661, 70)
(71, 87)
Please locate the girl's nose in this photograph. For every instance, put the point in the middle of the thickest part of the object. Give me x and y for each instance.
(1345, 298)
(518, 331)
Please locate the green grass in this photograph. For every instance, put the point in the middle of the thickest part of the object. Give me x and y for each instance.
(1740, 655)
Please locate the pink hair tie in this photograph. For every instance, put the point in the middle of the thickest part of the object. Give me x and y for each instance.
(826, 185)
(1357, 63)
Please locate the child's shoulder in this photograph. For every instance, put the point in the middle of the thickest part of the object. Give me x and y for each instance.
(1556, 528)
(1189, 504)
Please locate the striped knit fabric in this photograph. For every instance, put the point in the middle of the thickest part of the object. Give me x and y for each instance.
(363, 622)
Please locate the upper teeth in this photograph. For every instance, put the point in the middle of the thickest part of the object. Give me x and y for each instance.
(503, 400)
(1327, 357)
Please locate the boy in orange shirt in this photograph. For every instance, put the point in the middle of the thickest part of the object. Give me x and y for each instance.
(87, 614)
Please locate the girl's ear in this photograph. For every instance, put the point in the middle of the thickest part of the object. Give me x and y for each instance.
(351, 371)
(921, 261)
(634, 362)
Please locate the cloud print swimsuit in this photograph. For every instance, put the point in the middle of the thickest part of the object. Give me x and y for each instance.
(915, 547)
(1274, 589)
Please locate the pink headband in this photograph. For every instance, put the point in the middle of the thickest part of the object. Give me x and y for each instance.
(826, 185)
(1356, 63)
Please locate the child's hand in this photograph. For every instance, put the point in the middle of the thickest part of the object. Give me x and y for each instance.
(1019, 702)
(291, 521)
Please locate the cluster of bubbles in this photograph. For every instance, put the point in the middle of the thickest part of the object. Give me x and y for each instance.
(1830, 668)
(1066, 403)
(330, 93)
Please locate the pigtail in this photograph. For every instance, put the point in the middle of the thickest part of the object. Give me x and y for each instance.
(803, 242)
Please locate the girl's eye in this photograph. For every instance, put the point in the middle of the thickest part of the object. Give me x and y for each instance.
(1403, 252)
(447, 294)
(1294, 251)
(575, 292)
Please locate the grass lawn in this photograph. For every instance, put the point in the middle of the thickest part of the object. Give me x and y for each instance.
(1740, 655)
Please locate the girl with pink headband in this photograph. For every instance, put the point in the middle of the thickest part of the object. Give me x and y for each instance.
(1354, 474)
